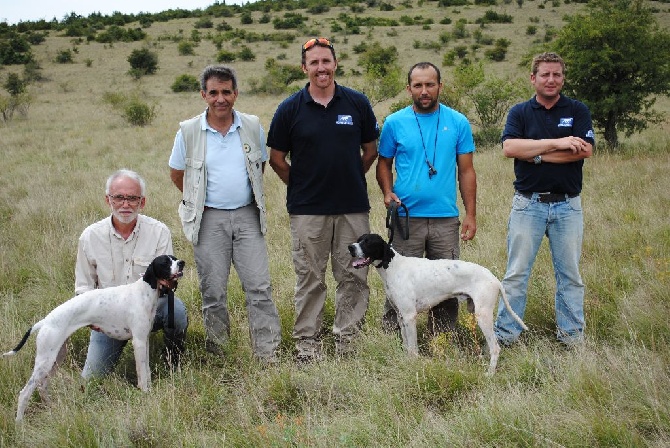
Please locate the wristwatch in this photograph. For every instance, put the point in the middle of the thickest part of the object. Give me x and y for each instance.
(537, 159)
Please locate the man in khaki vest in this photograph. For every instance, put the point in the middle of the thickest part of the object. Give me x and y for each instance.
(217, 163)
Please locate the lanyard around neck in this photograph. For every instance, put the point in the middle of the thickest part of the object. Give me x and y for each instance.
(431, 166)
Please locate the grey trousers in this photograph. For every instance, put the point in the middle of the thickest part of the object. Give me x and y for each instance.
(234, 236)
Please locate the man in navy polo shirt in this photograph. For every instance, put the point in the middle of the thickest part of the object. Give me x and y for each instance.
(330, 133)
(548, 137)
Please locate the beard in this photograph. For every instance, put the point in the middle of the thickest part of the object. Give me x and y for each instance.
(124, 218)
(429, 108)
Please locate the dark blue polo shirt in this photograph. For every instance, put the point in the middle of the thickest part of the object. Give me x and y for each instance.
(531, 120)
(324, 146)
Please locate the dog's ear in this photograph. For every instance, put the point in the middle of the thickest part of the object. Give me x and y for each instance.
(150, 275)
(388, 256)
(157, 270)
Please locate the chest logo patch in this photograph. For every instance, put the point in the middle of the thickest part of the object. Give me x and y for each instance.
(565, 122)
(345, 119)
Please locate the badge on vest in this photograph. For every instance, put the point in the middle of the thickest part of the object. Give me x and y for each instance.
(345, 119)
(565, 122)
(247, 148)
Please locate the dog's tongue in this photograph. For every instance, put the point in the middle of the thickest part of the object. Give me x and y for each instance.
(360, 262)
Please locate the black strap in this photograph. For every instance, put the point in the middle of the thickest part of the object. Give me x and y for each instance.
(393, 220)
(170, 298)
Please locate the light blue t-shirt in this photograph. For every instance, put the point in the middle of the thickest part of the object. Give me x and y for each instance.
(228, 185)
(445, 134)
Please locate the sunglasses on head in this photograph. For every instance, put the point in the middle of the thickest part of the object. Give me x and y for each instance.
(322, 41)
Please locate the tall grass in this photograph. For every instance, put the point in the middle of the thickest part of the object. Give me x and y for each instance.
(613, 392)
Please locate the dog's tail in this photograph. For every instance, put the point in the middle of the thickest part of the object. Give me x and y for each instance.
(21, 344)
(509, 308)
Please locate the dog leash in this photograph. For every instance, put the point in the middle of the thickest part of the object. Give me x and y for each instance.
(170, 299)
(393, 219)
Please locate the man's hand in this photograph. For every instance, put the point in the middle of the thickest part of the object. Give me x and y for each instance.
(468, 228)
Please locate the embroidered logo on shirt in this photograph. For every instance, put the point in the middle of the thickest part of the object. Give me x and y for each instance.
(590, 134)
(345, 119)
(565, 122)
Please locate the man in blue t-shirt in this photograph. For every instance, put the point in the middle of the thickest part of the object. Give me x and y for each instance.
(548, 136)
(432, 147)
(330, 133)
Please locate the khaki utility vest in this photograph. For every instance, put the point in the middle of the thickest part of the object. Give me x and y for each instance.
(195, 172)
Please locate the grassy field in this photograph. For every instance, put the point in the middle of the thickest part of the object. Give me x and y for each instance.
(613, 392)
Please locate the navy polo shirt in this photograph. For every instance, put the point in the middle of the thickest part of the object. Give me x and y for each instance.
(324, 146)
(531, 120)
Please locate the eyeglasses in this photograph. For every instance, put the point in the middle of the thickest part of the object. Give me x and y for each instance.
(322, 41)
(119, 199)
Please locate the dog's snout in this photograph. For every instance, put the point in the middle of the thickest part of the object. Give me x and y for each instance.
(352, 249)
(181, 264)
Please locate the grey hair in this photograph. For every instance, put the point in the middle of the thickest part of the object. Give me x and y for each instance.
(220, 72)
(129, 174)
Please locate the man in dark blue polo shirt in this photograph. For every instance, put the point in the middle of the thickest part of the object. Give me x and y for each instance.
(330, 133)
(548, 137)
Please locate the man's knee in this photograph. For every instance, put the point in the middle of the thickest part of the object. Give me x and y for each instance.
(180, 316)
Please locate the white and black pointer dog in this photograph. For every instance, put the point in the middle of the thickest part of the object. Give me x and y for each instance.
(121, 312)
(415, 284)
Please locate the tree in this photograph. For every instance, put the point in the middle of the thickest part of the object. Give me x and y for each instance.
(143, 62)
(617, 61)
(383, 77)
(490, 98)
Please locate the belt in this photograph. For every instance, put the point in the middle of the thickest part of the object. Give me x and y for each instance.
(548, 198)
(207, 207)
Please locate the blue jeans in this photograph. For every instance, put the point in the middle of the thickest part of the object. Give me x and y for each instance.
(104, 352)
(562, 223)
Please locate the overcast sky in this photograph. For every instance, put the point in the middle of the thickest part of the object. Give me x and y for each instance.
(14, 11)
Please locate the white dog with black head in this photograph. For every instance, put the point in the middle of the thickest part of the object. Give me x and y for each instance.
(414, 285)
(121, 312)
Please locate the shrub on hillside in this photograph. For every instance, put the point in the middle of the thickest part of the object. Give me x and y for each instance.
(14, 49)
(186, 48)
(277, 78)
(204, 22)
(18, 100)
(245, 54)
(494, 17)
(36, 38)
(14, 84)
(143, 62)
(246, 18)
(131, 107)
(225, 56)
(185, 83)
(291, 20)
(139, 113)
(64, 57)
(117, 34)
(32, 72)
(14, 103)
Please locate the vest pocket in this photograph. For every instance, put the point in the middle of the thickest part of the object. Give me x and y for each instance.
(192, 179)
(187, 213)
